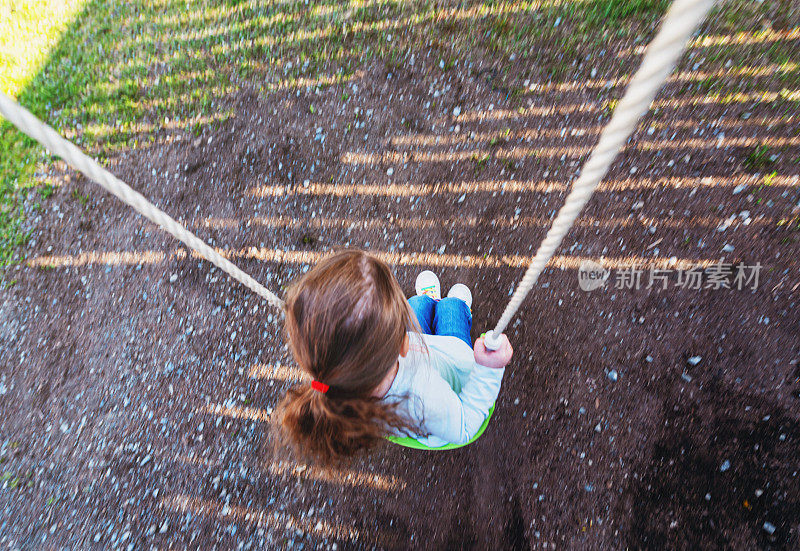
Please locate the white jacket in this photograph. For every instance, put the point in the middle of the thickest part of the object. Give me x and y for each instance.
(443, 390)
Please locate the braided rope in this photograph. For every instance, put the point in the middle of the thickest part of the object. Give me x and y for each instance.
(683, 17)
(25, 121)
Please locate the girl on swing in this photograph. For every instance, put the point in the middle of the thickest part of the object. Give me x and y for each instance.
(382, 365)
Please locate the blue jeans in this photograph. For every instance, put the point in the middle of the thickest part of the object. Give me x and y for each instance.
(449, 316)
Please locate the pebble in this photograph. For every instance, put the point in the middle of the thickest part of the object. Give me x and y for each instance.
(725, 466)
(727, 248)
(740, 188)
(173, 278)
(456, 111)
(390, 171)
(726, 223)
(613, 375)
(694, 360)
(769, 528)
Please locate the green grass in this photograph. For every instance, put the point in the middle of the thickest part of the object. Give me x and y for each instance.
(760, 157)
(46, 191)
(30, 28)
(109, 74)
(80, 197)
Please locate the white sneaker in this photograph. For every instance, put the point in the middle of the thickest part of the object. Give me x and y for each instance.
(428, 284)
(459, 290)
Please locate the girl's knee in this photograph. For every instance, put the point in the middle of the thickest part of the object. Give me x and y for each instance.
(422, 300)
(453, 303)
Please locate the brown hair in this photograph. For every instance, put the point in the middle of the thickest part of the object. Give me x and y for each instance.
(346, 322)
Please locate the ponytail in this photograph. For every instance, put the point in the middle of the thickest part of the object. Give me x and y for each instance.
(330, 429)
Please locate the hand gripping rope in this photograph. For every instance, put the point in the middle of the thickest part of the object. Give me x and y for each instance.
(683, 17)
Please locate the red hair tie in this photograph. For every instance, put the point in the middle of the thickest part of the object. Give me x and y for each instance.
(319, 387)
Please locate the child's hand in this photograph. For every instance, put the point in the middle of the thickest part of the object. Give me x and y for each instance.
(493, 358)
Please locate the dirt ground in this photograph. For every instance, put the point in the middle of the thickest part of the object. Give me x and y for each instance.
(136, 382)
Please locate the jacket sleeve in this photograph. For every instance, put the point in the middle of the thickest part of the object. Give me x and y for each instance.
(456, 418)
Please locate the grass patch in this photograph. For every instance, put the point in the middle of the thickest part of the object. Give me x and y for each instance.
(760, 157)
(80, 197)
(46, 191)
(479, 162)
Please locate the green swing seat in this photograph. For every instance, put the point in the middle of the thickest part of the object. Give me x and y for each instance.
(409, 442)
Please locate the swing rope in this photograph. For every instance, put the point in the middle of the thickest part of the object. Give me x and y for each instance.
(683, 17)
(77, 159)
